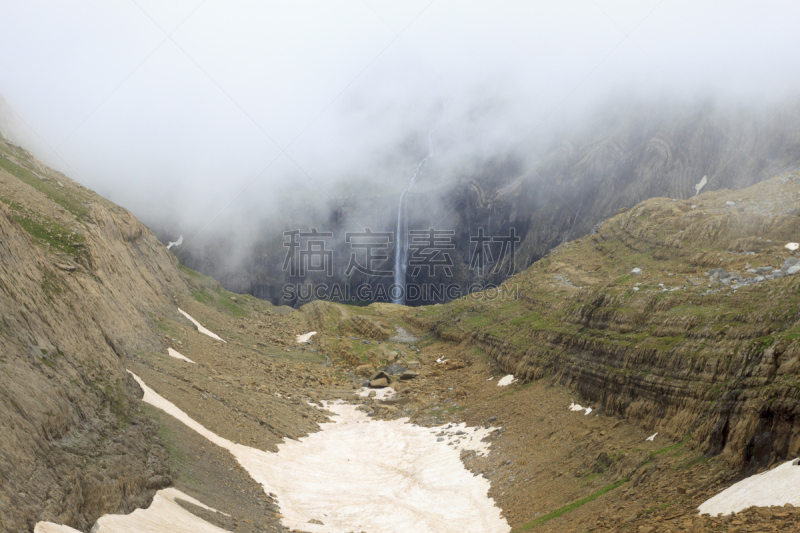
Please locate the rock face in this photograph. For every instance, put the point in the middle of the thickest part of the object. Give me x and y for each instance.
(691, 353)
(78, 277)
(548, 198)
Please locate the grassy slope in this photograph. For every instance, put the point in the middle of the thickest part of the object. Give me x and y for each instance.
(703, 336)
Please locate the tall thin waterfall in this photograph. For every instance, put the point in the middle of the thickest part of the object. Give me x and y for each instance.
(401, 235)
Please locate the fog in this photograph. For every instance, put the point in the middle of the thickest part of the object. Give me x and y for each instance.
(206, 116)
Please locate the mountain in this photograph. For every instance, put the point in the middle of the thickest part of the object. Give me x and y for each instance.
(547, 195)
(674, 324)
(79, 280)
(681, 315)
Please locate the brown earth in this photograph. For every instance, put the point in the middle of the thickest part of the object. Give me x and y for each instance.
(86, 292)
(675, 348)
(79, 277)
(546, 457)
(543, 458)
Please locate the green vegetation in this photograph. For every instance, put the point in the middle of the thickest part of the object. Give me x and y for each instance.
(791, 334)
(479, 321)
(447, 410)
(518, 389)
(696, 461)
(196, 275)
(49, 232)
(221, 299)
(672, 448)
(177, 457)
(57, 194)
(51, 285)
(572, 506)
(763, 343)
(117, 404)
(208, 292)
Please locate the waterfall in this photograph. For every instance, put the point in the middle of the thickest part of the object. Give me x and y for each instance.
(401, 235)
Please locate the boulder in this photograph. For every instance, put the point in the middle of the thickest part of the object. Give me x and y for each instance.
(365, 370)
(394, 370)
(379, 383)
(408, 374)
(789, 262)
(380, 374)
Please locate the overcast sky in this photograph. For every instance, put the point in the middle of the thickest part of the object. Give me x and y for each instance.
(188, 107)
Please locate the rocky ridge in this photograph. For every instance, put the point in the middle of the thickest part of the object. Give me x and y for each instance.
(701, 341)
(79, 278)
(549, 196)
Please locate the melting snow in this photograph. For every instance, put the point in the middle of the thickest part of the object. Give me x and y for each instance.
(362, 474)
(380, 394)
(700, 185)
(176, 243)
(164, 514)
(778, 486)
(507, 380)
(200, 328)
(652, 437)
(440, 361)
(577, 407)
(301, 339)
(177, 355)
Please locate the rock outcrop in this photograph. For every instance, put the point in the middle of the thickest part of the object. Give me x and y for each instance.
(549, 196)
(681, 347)
(79, 278)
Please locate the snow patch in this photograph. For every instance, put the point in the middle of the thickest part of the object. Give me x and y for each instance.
(506, 380)
(652, 437)
(792, 246)
(778, 486)
(578, 407)
(439, 361)
(164, 514)
(359, 474)
(199, 326)
(176, 243)
(380, 394)
(177, 355)
(302, 339)
(699, 186)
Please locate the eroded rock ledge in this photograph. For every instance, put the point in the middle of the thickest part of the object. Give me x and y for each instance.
(676, 346)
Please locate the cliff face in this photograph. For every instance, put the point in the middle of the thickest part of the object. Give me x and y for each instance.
(79, 277)
(644, 154)
(613, 163)
(703, 341)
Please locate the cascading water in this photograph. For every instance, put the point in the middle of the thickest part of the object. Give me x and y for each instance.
(401, 235)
